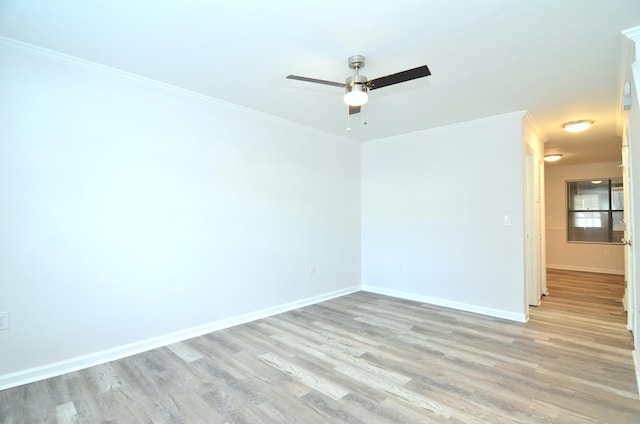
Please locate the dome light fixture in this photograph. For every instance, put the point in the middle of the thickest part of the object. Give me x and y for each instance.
(552, 158)
(577, 126)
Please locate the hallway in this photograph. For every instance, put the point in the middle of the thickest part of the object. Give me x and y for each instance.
(583, 318)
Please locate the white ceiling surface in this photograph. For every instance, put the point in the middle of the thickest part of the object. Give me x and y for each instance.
(559, 59)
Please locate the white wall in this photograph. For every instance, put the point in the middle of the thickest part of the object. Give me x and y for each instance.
(131, 211)
(134, 214)
(433, 207)
(605, 258)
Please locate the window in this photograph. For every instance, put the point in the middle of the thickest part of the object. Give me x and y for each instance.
(595, 211)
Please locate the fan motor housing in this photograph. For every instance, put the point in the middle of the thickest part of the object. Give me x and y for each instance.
(356, 83)
(356, 79)
(356, 61)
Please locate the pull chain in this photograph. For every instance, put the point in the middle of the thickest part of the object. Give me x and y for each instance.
(348, 119)
(364, 113)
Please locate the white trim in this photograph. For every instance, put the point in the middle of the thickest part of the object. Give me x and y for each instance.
(30, 375)
(586, 269)
(636, 361)
(535, 127)
(466, 124)
(627, 58)
(55, 56)
(498, 313)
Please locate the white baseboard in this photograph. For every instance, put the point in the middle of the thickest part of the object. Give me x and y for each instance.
(31, 375)
(448, 303)
(586, 269)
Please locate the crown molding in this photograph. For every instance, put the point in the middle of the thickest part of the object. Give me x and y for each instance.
(537, 129)
(632, 33)
(512, 116)
(27, 49)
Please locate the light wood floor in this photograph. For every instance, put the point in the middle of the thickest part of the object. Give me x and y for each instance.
(365, 358)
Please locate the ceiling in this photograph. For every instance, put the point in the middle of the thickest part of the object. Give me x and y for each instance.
(558, 59)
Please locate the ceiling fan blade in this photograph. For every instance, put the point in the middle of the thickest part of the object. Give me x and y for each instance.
(408, 75)
(317, 81)
(354, 109)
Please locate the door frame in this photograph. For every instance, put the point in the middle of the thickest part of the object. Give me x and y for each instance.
(629, 289)
(532, 229)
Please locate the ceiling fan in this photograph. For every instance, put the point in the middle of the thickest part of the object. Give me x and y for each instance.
(357, 86)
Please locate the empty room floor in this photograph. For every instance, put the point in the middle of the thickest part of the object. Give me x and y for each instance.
(367, 358)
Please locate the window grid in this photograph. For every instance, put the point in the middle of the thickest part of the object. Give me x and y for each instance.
(594, 212)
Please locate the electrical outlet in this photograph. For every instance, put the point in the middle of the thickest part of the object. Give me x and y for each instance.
(4, 320)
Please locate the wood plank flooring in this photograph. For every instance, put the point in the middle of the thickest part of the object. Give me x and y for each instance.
(366, 358)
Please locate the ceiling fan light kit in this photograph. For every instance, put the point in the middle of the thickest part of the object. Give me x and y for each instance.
(356, 91)
(357, 86)
(577, 126)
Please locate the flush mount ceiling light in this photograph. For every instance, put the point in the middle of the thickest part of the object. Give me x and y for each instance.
(596, 181)
(552, 158)
(577, 126)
